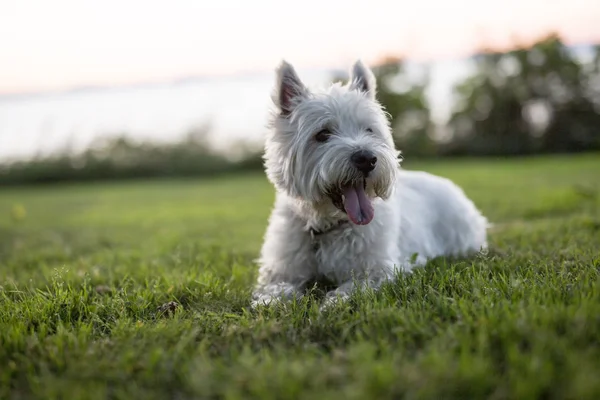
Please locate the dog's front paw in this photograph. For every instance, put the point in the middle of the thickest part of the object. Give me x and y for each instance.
(272, 294)
(333, 298)
(264, 300)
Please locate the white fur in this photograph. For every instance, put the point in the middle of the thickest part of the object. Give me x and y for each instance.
(416, 213)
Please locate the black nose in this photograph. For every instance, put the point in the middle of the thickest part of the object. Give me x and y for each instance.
(364, 161)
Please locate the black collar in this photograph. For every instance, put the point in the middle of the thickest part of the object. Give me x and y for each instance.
(314, 232)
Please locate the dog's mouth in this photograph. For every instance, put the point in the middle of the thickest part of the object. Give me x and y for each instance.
(351, 198)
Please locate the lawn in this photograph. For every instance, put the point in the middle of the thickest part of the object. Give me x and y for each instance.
(85, 269)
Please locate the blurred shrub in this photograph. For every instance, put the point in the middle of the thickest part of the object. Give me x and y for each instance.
(121, 158)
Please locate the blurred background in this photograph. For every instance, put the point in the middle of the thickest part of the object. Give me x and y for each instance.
(119, 89)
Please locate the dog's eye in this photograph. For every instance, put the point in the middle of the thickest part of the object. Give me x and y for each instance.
(323, 136)
(369, 130)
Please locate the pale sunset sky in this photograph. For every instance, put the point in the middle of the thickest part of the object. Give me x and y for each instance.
(56, 44)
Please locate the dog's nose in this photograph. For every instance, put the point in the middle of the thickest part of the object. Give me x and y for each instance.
(364, 161)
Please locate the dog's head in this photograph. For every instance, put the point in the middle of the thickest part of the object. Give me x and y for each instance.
(332, 148)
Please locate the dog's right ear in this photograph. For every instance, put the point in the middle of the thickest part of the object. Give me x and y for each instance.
(289, 89)
(362, 78)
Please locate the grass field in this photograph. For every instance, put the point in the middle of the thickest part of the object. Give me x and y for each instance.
(84, 269)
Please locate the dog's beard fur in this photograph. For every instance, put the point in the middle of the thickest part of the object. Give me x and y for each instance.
(314, 172)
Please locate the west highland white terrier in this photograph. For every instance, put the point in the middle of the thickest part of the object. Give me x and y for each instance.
(345, 212)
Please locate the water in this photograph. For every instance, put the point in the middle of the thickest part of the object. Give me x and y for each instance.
(236, 108)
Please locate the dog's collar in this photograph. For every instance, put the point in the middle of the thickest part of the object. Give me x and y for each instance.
(314, 233)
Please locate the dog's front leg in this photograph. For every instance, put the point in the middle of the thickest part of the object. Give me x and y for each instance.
(286, 261)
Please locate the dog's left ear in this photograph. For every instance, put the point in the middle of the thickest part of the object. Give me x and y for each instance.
(362, 79)
(289, 89)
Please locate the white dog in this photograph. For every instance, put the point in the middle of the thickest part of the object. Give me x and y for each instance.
(344, 211)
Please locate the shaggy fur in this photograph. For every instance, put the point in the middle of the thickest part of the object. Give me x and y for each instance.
(313, 234)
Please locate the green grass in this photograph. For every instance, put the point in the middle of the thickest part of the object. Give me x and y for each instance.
(84, 269)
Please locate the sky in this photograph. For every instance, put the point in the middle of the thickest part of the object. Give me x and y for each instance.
(58, 44)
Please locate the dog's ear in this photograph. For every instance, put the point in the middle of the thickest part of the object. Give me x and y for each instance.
(362, 79)
(289, 89)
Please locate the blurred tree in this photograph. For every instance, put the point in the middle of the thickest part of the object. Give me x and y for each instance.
(536, 99)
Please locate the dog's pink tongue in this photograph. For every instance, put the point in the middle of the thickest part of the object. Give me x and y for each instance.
(357, 204)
